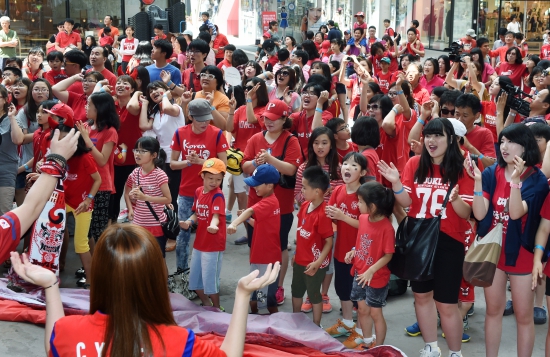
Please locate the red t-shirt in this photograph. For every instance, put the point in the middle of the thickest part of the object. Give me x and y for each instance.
(242, 129)
(482, 140)
(40, 145)
(293, 156)
(429, 86)
(349, 204)
(109, 76)
(79, 179)
(468, 44)
(419, 47)
(205, 206)
(64, 39)
(78, 103)
(186, 80)
(76, 87)
(394, 148)
(224, 64)
(10, 234)
(69, 330)
(372, 161)
(129, 131)
(513, 71)
(489, 112)
(312, 230)
(106, 40)
(100, 138)
(220, 41)
(352, 147)
(374, 240)
(266, 242)
(545, 213)
(420, 94)
(207, 144)
(427, 198)
(501, 195)
(301, 126)
(545, 52)
(54, 77)
(384, 81)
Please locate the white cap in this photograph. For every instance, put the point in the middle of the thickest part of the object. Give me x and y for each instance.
(471, 33)
(459, 128)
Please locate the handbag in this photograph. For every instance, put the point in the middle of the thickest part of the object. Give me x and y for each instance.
(171, 227)
(178, 283)
(285, 181)
(415, 245)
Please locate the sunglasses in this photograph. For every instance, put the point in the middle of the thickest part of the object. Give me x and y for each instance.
(248, 88)
(372, 106)
(283, 74)
(446, 111)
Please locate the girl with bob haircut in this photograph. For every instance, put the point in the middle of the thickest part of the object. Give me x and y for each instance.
(426, 180)
(513, 67)
(212, 83)
(128, 279)
(514, 190)
(444, 66)
(285, 85)
(251, 69)
(366, 135)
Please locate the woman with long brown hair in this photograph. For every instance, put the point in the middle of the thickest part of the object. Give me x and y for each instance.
(129, 304)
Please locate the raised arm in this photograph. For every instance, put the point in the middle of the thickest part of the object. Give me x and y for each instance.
(60, 91)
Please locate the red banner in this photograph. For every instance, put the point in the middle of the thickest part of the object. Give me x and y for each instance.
(267, 17)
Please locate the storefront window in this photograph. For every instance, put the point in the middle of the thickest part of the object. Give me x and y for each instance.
(90, 14)
(435, 24)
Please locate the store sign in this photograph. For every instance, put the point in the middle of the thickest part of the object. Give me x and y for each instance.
(267, 17)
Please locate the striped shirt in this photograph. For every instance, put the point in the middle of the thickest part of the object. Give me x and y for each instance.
(150, 184)
(298, 188)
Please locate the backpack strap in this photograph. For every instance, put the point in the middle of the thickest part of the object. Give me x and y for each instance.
(147, 202)
(191, 82)
(219, 136)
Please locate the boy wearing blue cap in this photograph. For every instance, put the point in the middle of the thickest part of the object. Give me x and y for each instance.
(266, 245)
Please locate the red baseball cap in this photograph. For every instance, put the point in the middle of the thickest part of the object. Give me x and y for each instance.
(267, 35)
(62, 111)
(360, 13)
(276, 109)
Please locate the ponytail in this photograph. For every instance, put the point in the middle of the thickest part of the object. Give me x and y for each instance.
(160, 159)
(382, 197)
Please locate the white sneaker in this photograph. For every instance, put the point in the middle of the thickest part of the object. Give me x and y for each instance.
(430, 353)
(123, 216)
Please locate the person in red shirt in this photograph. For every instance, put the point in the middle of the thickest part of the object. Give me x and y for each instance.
(269, 147)
(430, 79)
(513, 67)
(159, 33)
(108, 22)
(413, 45)
(227, 58)
(105, 38)
(384, 75)
(209, 245)
(62, 91)
(67, 38)
(314, 236)
(124, 287)
(501, 51)
(98, 59)
(468, 42)
(56, 73)
(196, 54)
(545, 52)
(373, 250)
(219, 44)
(414, 72)
(265, 217)
(360, 24)
(366, 134)
(427, 179)
(196, 143)
(342, 135)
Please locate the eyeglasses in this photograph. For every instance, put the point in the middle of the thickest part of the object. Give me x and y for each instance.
(283, 74)
(88, 81)
(140, 151)
(309, 93)
(372, 106)
(208, 76)
(446, 111)
(19, 85)
(191, 52)
(40, 90)
(392, 94)
(248, 88)
(345, 127)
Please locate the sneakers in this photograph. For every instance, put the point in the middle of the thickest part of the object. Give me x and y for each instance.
(339, 329)
(221, 307)
(354, 340)
(465, 323)
(241, 241)
(123, 216)
(465, 337)
(365, 346)
(509, 309)
(430, 353)
(81, 282)
(80, 273)
(327, 307)
(280, 295)
(413, 330)
(306, 306)
(470, 312)
(540, 315)
(228, 219)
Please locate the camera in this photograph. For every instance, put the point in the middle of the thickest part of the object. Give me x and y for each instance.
(454, 51)
(349, 59)
(514, 101)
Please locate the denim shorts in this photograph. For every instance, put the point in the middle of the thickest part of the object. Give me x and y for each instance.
(20, 180)
(373, 297)
(205, 271)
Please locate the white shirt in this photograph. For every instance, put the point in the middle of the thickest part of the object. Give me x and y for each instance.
(164, 127)
(211, 58)
(513, 27)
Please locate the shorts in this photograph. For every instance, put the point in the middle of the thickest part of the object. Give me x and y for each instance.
(340, 88)
(238, 183)
(373, 297)
(205, 271)
(448, 261)
(269, 291)
(312, 284)
(343, 280)
(20, 180)
(331, 264)
(82, 223)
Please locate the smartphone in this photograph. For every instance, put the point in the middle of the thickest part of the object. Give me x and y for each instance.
(470, 164)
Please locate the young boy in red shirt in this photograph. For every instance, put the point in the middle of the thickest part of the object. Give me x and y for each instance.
(266, 244)
(56, 73)
(384, 75)
(209, 215)
(314, 236)
(228, 57)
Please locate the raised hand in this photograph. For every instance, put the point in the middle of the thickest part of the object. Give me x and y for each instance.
(388, 171)
(33, 274)
(251, 282)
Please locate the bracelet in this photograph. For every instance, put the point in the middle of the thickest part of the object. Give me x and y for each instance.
(90, 196)
(173, 87)
(189, 163)
(102, 90)
(538, 246)
(249, 100)
(58, 158)
(190, 220)
(170, 83)
(515, 185)
(399, 92)
(213, 108)
(27, 167)
(395, 111)
(254, 163)
(319, 110)
(512, 114)
(57, 281)
(421, 121)
(352, 248)
(478, 193)
(398, 192)
(123, 150)
(481, 156)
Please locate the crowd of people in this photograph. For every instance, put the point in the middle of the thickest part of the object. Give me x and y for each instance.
(297, 137)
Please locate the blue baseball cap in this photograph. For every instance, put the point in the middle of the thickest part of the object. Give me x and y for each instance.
(263, 174)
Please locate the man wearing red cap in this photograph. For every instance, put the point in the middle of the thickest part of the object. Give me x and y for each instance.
(360, 24)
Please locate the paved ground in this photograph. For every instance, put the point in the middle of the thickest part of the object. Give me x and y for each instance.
(26, 340)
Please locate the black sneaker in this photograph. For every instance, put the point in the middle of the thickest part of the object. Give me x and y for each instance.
(80, 273)
(81, 282)
(470, 312)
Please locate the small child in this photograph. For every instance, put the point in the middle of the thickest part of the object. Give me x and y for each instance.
(313, 242)
(106, 38)
(342, 135)
(266, 244)
(206, 19)
(384, 76)
(56, 73)
(373, 251)
(227, 57)
(209, 245)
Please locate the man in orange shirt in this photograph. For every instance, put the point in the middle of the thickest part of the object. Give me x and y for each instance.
(108, 21)
(501, 51)
(67, 37)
